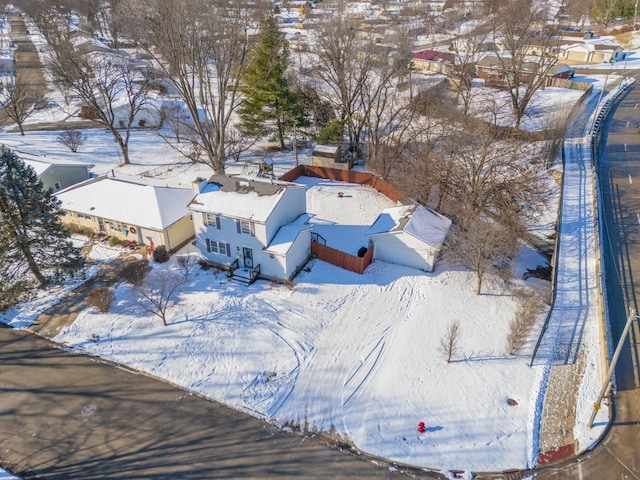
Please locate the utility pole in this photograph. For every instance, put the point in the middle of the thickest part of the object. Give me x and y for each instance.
(596, 406)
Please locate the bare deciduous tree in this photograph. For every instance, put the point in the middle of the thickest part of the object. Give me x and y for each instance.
(450, 342)
(604, 11)
(201, 46)
(467, 50)
(186, 264)
(345, 65)
(72, 138)
(578, 11)
(19, 100)
(491, 179)
(527, 53)
(105, 82)
(158, 294)
(481, 246)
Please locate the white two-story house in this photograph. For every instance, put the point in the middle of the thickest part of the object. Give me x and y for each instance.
(252, 226)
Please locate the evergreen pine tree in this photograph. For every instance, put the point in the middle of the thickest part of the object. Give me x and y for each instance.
(32, 239)
(269, 107)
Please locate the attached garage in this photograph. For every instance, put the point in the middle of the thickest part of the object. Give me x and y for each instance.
(410, 235)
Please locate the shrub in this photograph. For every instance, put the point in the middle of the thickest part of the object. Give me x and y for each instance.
(101, 298)
(81, 230)
(134, 271)
(519, 328)
(113, 241)
(72, 139)
(160, 254)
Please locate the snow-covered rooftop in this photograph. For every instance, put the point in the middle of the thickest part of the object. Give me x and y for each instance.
(241, 196)
(134, 201)
(42, 164)
(342, 212)
(417, 220)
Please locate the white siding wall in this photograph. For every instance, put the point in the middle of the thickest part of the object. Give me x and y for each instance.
(299, 252)
(228, 234)
(403, 249)
(291, 206)
(283, 267)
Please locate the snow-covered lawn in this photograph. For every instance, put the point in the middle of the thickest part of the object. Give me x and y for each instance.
(358, 355)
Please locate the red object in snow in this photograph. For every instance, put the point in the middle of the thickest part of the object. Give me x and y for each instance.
(421, 427)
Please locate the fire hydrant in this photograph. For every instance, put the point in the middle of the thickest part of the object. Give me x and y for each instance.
(421, 427)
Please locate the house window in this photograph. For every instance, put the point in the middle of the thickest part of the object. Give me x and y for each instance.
(221, 248)
(57, 186)
(246, 227)
(212, 220)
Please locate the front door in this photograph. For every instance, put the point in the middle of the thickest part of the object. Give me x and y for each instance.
(247, 256)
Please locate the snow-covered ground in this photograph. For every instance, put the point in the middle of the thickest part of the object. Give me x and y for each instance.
(356, 355)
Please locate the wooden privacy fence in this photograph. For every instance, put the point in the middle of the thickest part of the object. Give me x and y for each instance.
(361, 178)
(341, 259)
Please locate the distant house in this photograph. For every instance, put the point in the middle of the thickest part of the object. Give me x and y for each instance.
(142, 210)
(254, 227)
(592, 50)
(54, 173)
(494, 69)
(433, 60)
(149, 115)
(410, 235)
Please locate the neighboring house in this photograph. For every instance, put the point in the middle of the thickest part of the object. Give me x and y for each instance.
(56, 174)
(433, 60)
(252, 226)
(494, 70)
(561, 70)
(410, 235)
(149, 114)
(593, 50)
(144, 211)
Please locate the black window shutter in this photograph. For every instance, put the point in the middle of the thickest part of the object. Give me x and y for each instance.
(228, 250)
(208, 245)
(238, 226)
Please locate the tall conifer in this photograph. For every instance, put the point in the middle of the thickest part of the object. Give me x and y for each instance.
(32, 239)
(268, 108)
